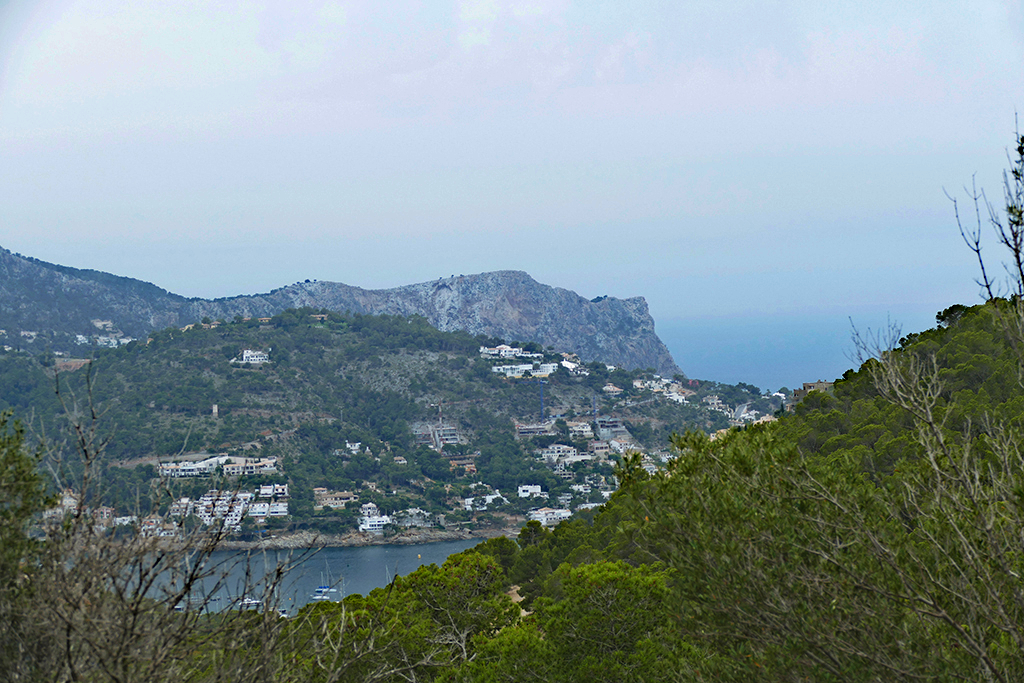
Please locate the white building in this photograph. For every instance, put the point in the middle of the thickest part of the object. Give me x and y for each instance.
(531, 491)
(506, 351)
(549, 516)
(414, 517)
(251, 356)
(580, 430)
(575, 368)
(555, 451)
(201, 468)
(371, 519)
(480, 503)
(535, 369)
(259, 511)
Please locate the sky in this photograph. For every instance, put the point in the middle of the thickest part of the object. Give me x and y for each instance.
(769, 175)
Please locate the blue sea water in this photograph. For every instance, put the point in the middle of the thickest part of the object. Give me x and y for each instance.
(346, 570)
(774, 351)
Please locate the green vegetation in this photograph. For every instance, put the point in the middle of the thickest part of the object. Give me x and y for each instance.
(333, 380)
(874, 534)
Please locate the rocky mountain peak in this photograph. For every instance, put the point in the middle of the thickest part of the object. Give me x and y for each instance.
(509, 304)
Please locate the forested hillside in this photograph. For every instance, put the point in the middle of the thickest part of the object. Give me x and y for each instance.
(872, 535)
(334, 380)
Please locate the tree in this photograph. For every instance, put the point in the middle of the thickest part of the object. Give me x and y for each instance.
(605, 621)
(809, 555)
(22, 495)
(409, 631)
(88, 603)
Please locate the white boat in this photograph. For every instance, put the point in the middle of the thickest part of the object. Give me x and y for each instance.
(323, 593)
(324, 590)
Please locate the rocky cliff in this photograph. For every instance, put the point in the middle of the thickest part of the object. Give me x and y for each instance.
(42, 297)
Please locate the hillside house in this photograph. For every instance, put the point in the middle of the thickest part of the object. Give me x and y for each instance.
(549, 516)
(535, 429)
(371, 520)
(531, 491)
(506, 351)
(535, 369)
(808, 387)
(333, 499)
(252, 357)
(555, 452)
(611, 428)
(580, 430)
(480, 503)
(414, 517)
(467, 462)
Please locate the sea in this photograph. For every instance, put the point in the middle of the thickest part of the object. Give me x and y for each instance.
(324, 573)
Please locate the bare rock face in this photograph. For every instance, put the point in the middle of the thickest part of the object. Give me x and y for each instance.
(508, 304)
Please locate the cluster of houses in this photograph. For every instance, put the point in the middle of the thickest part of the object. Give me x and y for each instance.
(668, 389)
(371, 519)
(228, 508)
(222, 508)
(229, 466)
(69, 504)
(547, 516)
(504, 351)
(741, 415)
(110, 336)
(102, 340)
(611, 437)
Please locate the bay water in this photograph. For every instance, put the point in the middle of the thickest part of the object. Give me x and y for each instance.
(345, 571)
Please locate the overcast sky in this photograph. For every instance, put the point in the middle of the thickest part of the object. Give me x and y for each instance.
(740, 165)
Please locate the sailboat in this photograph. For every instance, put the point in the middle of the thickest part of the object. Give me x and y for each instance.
(324, 590)
(250, 603)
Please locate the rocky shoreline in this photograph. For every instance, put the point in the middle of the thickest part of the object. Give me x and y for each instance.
(311, 539)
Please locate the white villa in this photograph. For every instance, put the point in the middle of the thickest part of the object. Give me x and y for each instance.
(531, 491)
(506, 351)
(371, 519)
(535, 369)
(251, 356)
(549, 516)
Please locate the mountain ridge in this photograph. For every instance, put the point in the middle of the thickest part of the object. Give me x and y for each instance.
(509, 304)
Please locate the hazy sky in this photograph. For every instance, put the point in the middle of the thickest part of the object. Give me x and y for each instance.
(759, 171)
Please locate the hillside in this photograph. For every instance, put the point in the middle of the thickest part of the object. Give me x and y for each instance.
(873, 534)
(333, 380)
(57, 303)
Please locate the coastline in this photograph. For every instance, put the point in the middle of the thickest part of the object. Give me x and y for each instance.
(311, 539)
